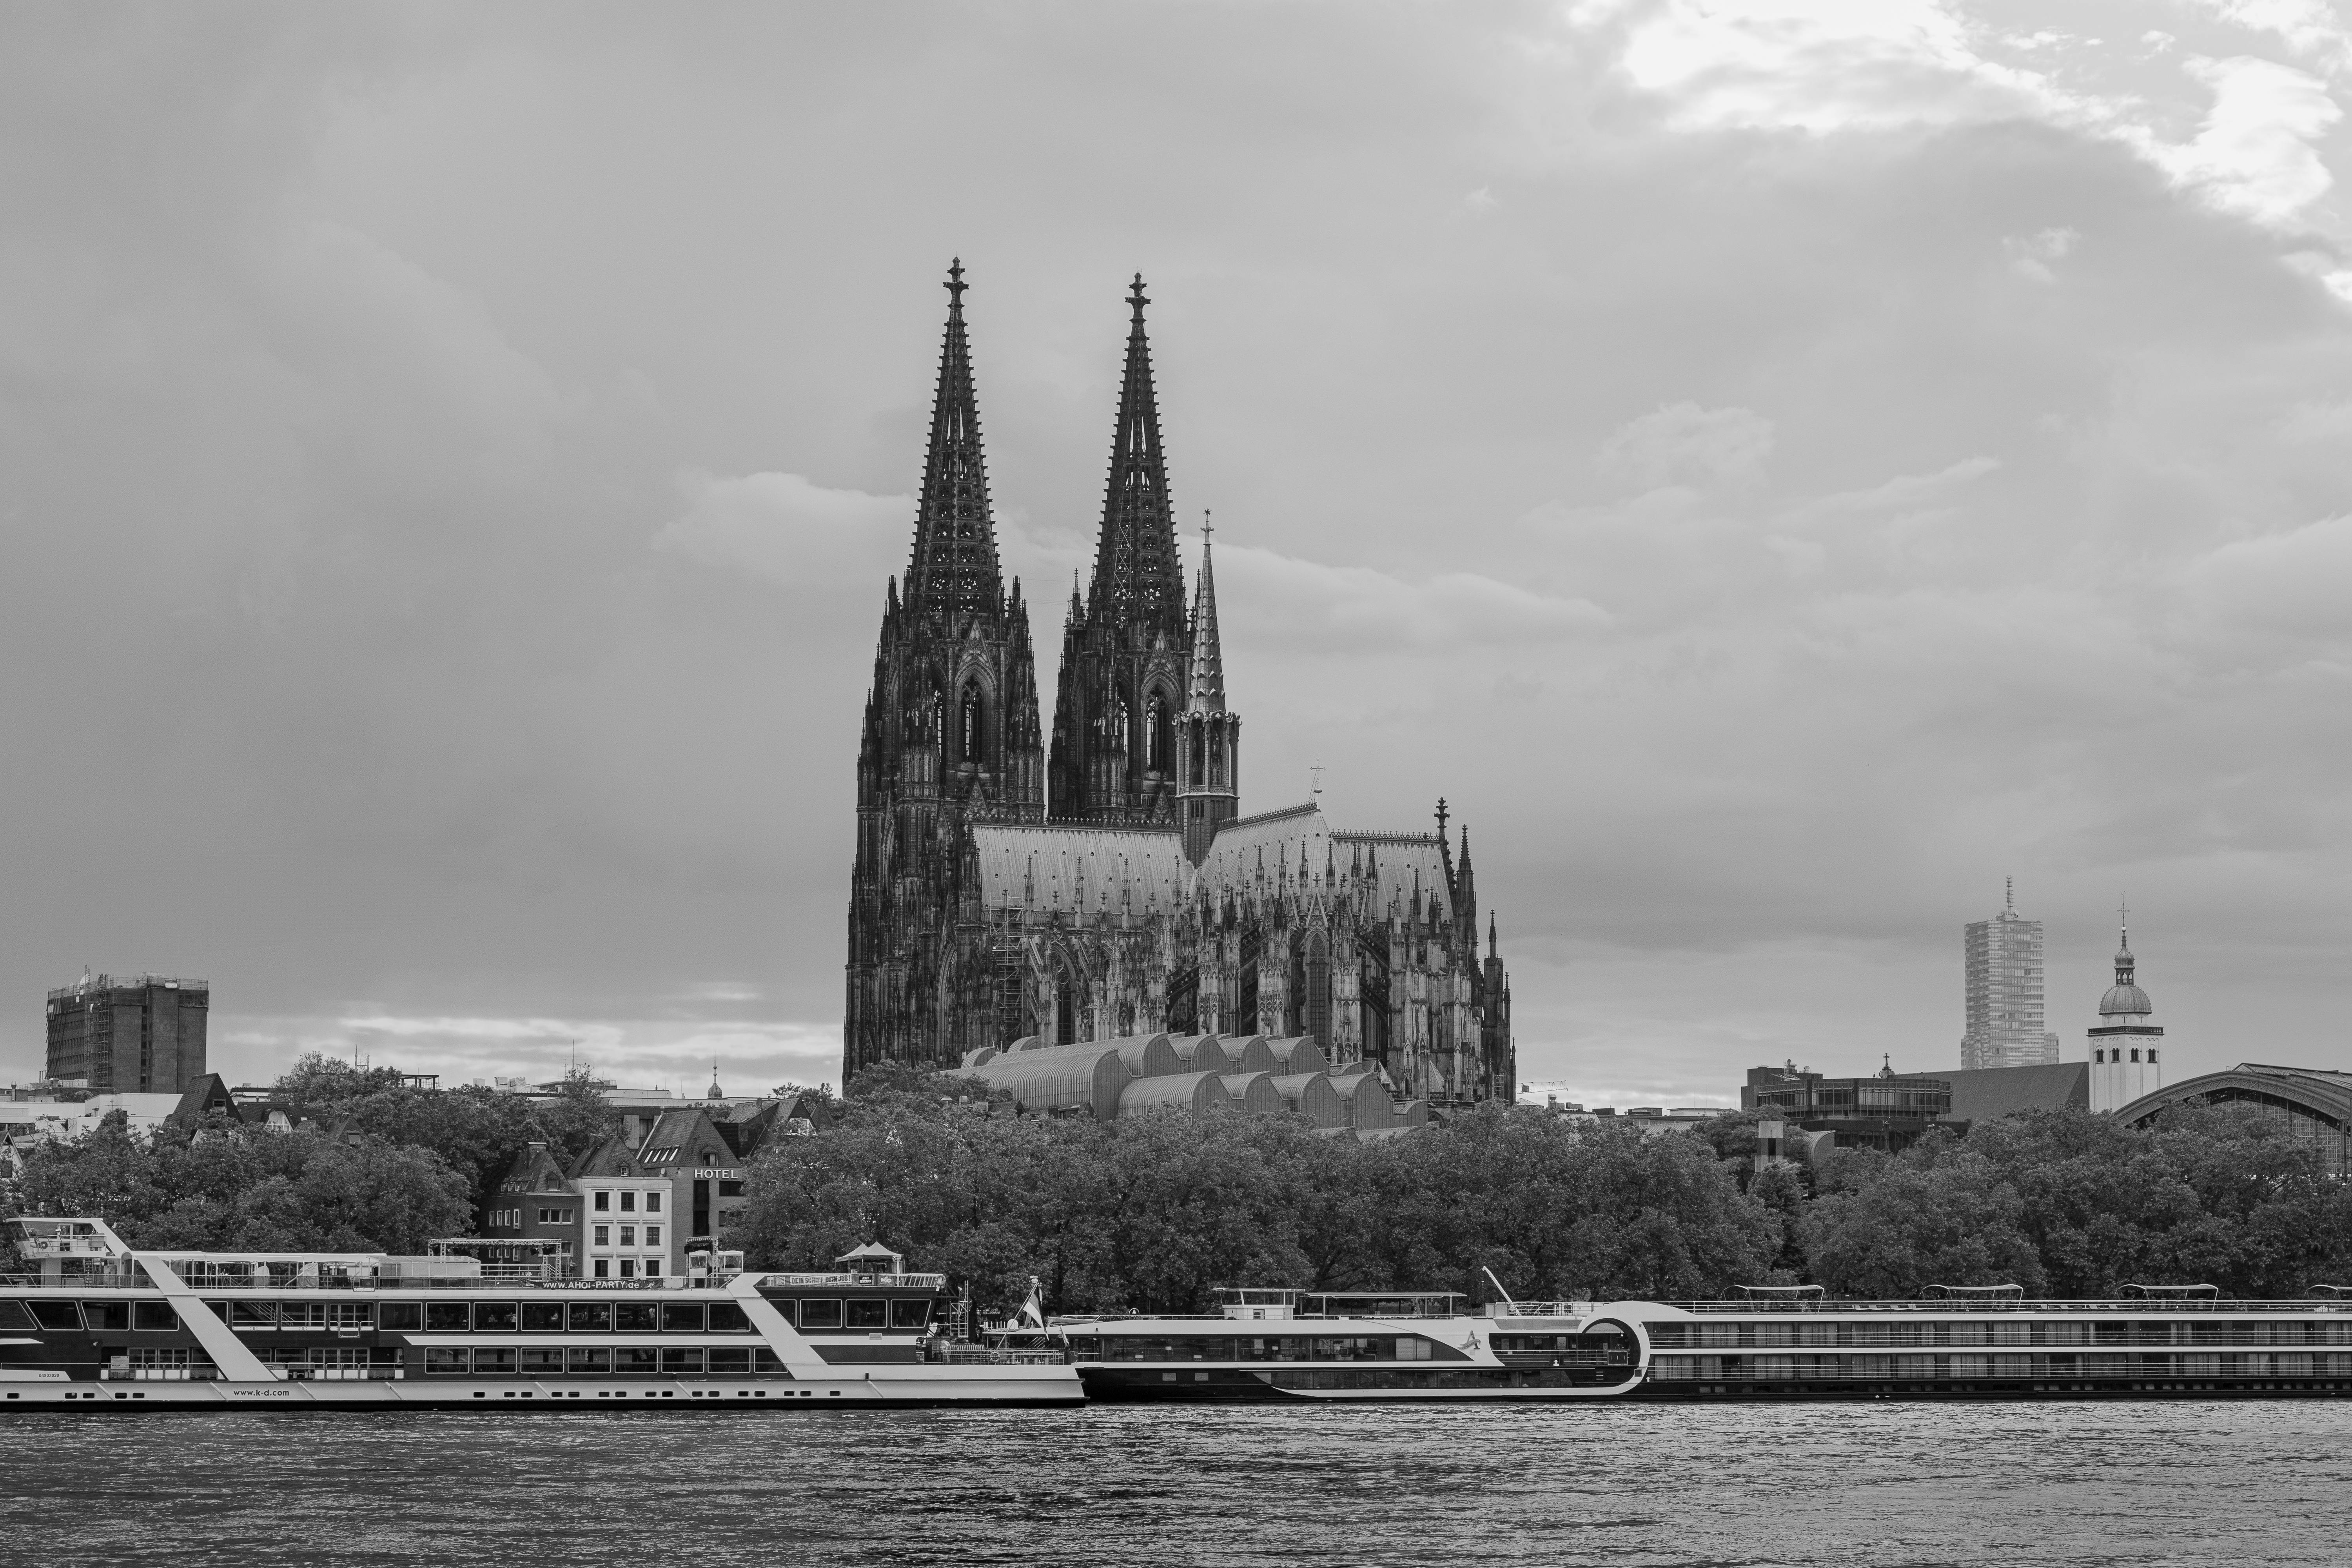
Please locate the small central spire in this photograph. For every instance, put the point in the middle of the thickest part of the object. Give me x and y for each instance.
(955, 285)
(1137, 298)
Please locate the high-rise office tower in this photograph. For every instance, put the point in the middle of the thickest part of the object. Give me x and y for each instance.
(129, 1034)
(2125, 1045)
(2005, 986)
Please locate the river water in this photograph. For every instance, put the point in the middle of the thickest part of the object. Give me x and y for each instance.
(1883, 1484)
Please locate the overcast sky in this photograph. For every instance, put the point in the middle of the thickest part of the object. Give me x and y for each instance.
(1775, 468)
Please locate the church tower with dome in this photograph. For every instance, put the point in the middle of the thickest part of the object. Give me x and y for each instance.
(2125, 1044)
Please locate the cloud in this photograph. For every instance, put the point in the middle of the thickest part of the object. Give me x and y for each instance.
(1820, 65)
(2311, 27)
(787, 529)
(2253, 155)
(2030, 256)
(1275, 599)
(1684, 443)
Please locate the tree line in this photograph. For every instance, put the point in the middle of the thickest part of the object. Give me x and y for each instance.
(1149, 1214)
(371, 1166)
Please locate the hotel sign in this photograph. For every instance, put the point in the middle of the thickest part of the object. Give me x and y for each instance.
(707, 1171)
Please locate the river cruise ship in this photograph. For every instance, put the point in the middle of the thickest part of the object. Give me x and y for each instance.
(94, 1324)
(1763, 1343)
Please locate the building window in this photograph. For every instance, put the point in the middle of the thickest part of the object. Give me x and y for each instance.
(603, 1236)
(628, 1202)
(601, 1268)
(653, 1268)
(604, 1202)
(2135, 1053)
(2098, 1058)
(628, 1236)
(628, 1268)
(653, 1203)
(2151, 1053)
(653, 1236)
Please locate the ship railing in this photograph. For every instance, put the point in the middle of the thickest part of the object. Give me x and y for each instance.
(1541, 1309)
(2119, 1306)
(856, 1281)
(991, 1356)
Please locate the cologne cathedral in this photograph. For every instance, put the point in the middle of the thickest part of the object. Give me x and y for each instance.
(1102, 882)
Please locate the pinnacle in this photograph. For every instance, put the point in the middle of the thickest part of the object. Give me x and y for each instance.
(1137, 580)
(953, 569)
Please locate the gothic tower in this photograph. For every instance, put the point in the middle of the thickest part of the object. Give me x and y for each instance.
(1209, 742)
(951, 738)
(1122, 683)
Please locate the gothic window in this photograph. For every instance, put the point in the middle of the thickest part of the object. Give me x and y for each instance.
(1184, 1000)
(1245, 988)
(970, 728)
(1217, 753)
(1066, 1012)
(1156, 747)
(1318, 1001)
(1197, 750)
(1119, 729)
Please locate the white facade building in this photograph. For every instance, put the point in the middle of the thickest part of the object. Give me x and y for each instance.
(2125, 1044)
(624, 1226)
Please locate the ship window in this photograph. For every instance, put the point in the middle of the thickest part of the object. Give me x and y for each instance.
(397, 1316)
(682, 1362)
(682, 1317)
(593, 1361)
(870, 1315)
(542, 1361)
(590, 1317)
(13, 1319)
(155, 1317)
(632, 1360)
(448, 1317)
(499, 1362)
(351, 1314)
(494, 1317)
(58, 1314)
(542, 1317)
(820, 1314)
(765, 1362)
(103, 1315)
(634, 1317)
(909, 1314)
(726, 1318)
(730, 1363)
(784, 1309)
(446, 1360)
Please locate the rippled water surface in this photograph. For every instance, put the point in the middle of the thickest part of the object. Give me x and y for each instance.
(1883, 1484)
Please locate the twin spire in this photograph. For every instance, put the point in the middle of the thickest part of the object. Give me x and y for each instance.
(953, 570)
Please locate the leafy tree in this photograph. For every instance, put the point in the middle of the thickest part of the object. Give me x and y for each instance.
(223, 1188)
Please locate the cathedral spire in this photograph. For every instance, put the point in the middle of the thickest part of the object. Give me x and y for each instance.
(953, 570)
(1208, 693)
(1137, 580)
